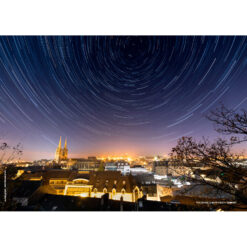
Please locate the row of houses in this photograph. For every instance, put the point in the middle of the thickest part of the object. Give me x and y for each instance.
(89, 184)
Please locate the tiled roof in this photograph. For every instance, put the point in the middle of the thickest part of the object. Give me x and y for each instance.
(112, 180)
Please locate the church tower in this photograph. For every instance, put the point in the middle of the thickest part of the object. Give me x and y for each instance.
(58, 154)
(61, 153)
(65, 150)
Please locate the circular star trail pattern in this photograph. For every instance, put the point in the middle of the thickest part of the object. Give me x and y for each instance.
(142, 89)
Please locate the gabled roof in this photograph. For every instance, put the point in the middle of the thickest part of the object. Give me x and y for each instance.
(112, 180)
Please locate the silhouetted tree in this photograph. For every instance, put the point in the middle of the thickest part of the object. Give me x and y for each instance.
(7, 170)
(230, 122)
(204, 158)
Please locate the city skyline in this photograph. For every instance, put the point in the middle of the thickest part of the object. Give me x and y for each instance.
(111, 95)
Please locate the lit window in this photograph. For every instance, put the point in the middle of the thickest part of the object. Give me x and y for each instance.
(124, 182)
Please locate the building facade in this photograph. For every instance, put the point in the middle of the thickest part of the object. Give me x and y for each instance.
(121, 166)
(92, 184)
(118, 186)
(113, 183)
(82, 164)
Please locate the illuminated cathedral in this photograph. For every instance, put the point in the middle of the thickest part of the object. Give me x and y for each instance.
(61, 153)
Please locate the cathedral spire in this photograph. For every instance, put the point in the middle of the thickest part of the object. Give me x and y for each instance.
(59, 145)
(65, 150)
(59, 151)
(65, 143)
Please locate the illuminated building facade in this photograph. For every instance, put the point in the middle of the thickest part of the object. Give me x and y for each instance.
(58, 180)
(137, 169)
(99, 183)
(118, 187)
(89, 184)
(111, 166)
(121, 166)
(82, 164)
(78, 187)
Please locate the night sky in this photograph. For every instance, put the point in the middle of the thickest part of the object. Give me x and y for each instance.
(116, 95)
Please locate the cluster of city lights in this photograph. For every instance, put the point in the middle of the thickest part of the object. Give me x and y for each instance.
(129, 159)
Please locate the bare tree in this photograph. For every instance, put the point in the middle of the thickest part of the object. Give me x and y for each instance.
(7, 171)
(9, 153)
(230, 122)
(204, 157)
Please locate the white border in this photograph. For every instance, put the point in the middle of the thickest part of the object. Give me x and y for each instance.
(122, 229)
(132, 17)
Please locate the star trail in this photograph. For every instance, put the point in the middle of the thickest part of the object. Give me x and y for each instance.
(116, 94)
